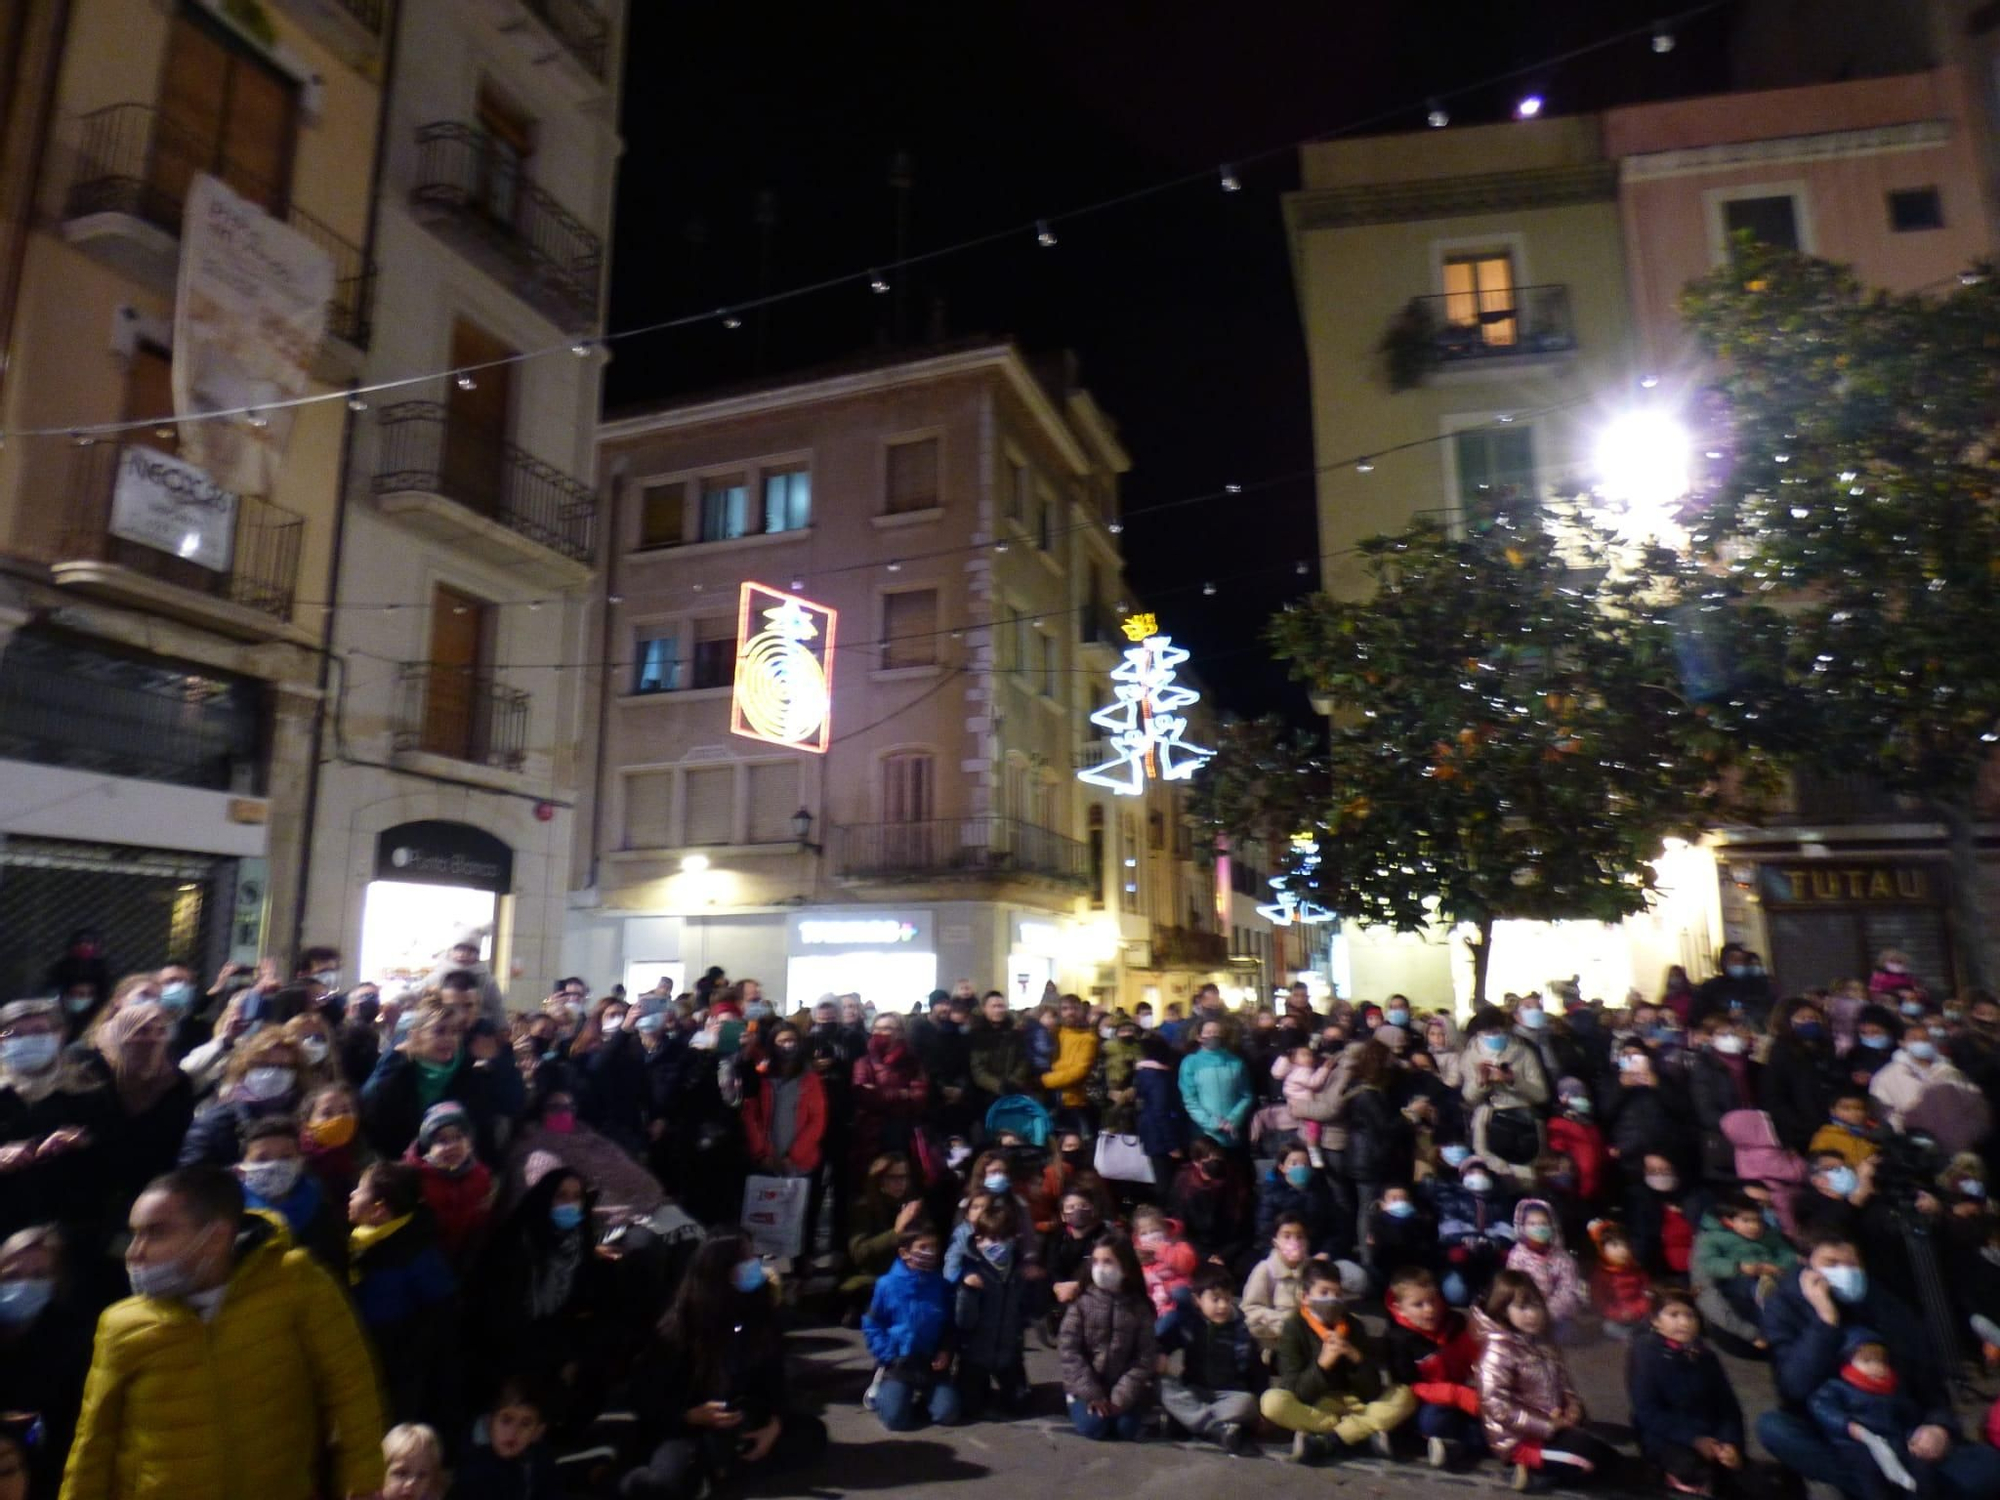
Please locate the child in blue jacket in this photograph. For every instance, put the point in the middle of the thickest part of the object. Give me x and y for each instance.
(908, 1327)
(1683, 1406)
(1863, 1402)
(992, 1312)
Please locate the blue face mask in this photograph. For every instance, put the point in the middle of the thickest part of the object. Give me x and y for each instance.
(1808, 1031)
(565, 1215)
(1842, 1181)
(1922, 1051)
(1493, 1041)
(1848, 1283)
(1534, 1020)
(1454, 1156)
(1738, 971)
(1402, 1208)
(996, 1182)
(21, 1302)
(1399, 1018)
(1298, 1177)
(748, 1276)
(1874, 1039)
(999, 1255)
(177, 996)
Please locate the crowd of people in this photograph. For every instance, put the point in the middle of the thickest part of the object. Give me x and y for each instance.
(289, 1237)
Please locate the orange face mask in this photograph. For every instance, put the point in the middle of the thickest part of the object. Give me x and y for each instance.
(331, 1135)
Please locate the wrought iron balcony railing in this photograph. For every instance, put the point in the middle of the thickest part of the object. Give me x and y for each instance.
(461, 714)
(957, 847)
(426, 449)
(1500, 324)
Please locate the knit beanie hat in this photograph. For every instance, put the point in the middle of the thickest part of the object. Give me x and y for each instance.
(1570, 1088)
(440, 1116)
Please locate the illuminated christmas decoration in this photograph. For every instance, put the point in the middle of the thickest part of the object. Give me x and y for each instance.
(1145, 723)
(784, 669)
(1290, 907)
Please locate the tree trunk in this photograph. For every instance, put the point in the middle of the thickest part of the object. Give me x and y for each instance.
(1968, 916)
(1482, 959)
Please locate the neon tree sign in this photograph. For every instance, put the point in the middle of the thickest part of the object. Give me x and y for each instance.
(784, 669)
(1291, 907)
(1144, 719)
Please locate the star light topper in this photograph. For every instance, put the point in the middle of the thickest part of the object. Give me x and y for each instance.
(1290, 907)
(1143, 718)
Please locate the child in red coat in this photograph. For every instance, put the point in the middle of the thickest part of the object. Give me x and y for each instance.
(1573, 1134)
(1164, 1254)
(1619, 1288)
(457, 1186)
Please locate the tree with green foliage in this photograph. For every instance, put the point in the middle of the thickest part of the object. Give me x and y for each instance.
(1266, 782)
(1521, 717)
(1858, 468)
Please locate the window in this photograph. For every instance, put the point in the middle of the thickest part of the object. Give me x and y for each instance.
(1915, 208)
(662, 509)
(725, 508)
(714, 653)
(507, 145)
(1045, 521)
(913, 477)
(909, 628)
(1097, 858)
(659, 663)
(149, 392)
(774, 801)
(1026, 660)
(1128, 871)
(1770, 221)
(1479, 293)
(649, 810)
(224, 110)
(1495, 465)
(787, 500)
(1051, 663)
(1017, 792)
(711, 804)
(907, 779)
(1024, 494)
(1156, 832)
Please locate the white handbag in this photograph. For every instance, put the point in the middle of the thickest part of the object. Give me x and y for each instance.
(1120, 1158)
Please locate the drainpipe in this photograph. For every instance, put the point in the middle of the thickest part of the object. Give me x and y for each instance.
(17, 43)
(376, 170)
(614, 534)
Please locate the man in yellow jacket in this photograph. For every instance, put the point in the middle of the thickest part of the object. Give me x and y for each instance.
(237, 1372)
(1076, 1054)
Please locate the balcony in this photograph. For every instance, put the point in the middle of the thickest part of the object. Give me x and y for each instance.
(351, 29)
(1189, 948)
(461, 715)
(983, 848)
(247, 594)
(473, 488)
(568, 40)
(1469, 330)
(476, 195)
(125, 201)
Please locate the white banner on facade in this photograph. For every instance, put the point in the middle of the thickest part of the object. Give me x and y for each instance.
(248, 322)
(167, 503)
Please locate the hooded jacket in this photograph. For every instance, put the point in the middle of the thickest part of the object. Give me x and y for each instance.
(1529, 1088)
(234, 1405)
(1450, 1057)
(1583, 1143)
(1214, 1356)
(1272, 1295)
(910, 1317)
(1553, 1269)
(1215, 1089)
(808, 1121)
(1108, 1349)
(1325, 1105)
(1168, 1267)
(992, 1315)
(1888, 1414)
(1720, 1252)
(1904, 1083)
(1163, 1121)
(1523, 1386)
(1680, 1392)
(1277, 1199)
(1441, 1366)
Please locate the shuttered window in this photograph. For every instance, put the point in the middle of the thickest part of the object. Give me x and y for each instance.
(649, 810)
(912, 476)
(909, 628)
(711, 804)
(774, 800)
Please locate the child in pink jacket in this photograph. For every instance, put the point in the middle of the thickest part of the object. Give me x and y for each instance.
(1538, 1254)
(1304, 1073)
(1165, 1256)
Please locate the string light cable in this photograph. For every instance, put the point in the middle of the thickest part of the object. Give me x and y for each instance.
(1037, 229)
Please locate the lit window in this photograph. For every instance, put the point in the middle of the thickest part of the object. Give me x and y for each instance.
(659, 664)
(788, 500)
(725, 508)
(661, 507)
(1479, 294)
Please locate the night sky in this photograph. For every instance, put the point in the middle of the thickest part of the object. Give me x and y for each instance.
(1180, 307)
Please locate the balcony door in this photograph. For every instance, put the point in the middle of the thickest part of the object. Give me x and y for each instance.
(909, 838)
(223, 110)
(1479, 297)
(455, 701)
(507, 145)
(477, 420)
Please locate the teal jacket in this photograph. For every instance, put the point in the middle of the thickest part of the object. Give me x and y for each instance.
(1215, 1088)
(1719, 1251)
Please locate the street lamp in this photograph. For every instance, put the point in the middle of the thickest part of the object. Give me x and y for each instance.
(1642, 463)
(802, 827)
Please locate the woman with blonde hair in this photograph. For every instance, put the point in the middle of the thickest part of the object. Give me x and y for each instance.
(132, 1052)
(261, 1078)
(312, 1034)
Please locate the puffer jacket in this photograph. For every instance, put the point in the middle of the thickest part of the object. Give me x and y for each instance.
(910, 1317)
(1108, 1349)
(992, 1315)
(1552, 1268)
(1271, 1296)
(1720, 1252)
(1680, 1394)
(1069, 1073)
(1163, 1122)
(1523, 1386)
(999, 1058)
(1530, 1086)
(1299, 1370)
(237, 1406)
(1215, 1088)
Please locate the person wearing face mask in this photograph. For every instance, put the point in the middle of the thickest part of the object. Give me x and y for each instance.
(1800, 1072)
(1500, 1069)
(784, 1122)
(1574, 1133)
(236, 1366)
(1109, 1352)
(610, 1074)
(275, 1181)
(1276, 1283)
(458, 1187)
(261, 1078)
(542, 1288)
(312, 1034)
(1807, 1319)
(82, 978)
(910, 1330)
(437, 1061)
(1212, 1199)
(1293, 1188)
(890, 1091)
(1474, 1205)
(406, 1293)
(996, 1053)
(131, 1052)
(1215, 1087)
(1401, 1232)
(462, 958)
(1917, 1078)
(357, 1043)
(45, 1337)
(318, 967)
(1721, 1079)
(1876, 1030)
(1741, 989)
(945, 1050)
(56, 1116)
(1068, 1075)
(1331, 1390)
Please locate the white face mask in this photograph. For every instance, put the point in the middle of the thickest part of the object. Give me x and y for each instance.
(270, 1180)
(266, 1084)
(1107, 1278)
(1730, 1045)
(314, 1049)
(612, 1023)
(328, 978)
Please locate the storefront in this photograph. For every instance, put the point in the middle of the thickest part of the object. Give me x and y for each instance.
(1829, 919)
(888, 956)
(1035, 957)
(435, 883)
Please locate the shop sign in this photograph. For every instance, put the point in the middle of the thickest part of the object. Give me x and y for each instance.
(1041, 938)
(1839, 884)
(912, 932)
(437, 852)
(168, 504)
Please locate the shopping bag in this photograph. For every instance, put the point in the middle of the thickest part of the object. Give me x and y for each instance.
(1120, 1158)
(774, 1214)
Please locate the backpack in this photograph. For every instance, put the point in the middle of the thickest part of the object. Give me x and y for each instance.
(1513, 1136)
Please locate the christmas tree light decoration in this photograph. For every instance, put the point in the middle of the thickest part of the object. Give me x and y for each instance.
(1144, 719)
(1290, 908)
(783, 693)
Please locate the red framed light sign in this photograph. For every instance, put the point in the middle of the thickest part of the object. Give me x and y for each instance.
(784, 669)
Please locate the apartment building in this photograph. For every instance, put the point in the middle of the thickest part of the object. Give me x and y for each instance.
(159, 629)
(450, 767)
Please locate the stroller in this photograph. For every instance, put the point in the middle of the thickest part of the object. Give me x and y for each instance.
(1763, 1161)
(1019, 1114)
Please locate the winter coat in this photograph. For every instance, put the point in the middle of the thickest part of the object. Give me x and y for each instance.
(392, 1109)
(1326, 1105)
(1298, 1368)
(461, 1206)
(889, 1094)
(1552, 1269)
(1215, 1088)
(1381, 1143)
(1108, 1349)
(910, 1316)
(992, 1315)
(1529, 1088)
(1440, 1367)
(1720, 1252)
(1326, 1225)
(1169, 1267)
(1523, 1386)
(1889, 1414)
(613, 1090)
(1622, 1294)
(1679, 1393)
(1302, 1085)
(1120, 1060)
(1583, 1143)
(316, 1221)
(808, 1122)
(1713, 1091)
(1644, 1118)
(1394, 1243)
(1806, 1353)
(1068, 1075)
(1214, 1356)
(234, 1405)
(1163, 1121)
(215, 1138)
(1796, 1088)
(1272, 1295)
(483, 1475)
(1217, 1212)
(1854, 1147)
(1903, 1082)
(405, 1293)
(1462, 1212)
(1762, 1157)
(1450, 1057)
(999, 1058)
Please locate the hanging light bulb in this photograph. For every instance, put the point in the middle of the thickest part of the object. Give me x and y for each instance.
(1232, 489)
(877, 283)
(164, 433)
(731, 321)
(356, 402)
(82, 439)
(1529, 107)
(581, 348)
(1663, 39)
(1439, 116)
(1230, 184)
(798, 585)
(1301, 568)
(1044, 236)
(1208, 590)
(894, 566)
(1364, 467)
(466, 382)
(1001, 546)
(257, 419)
(1116, 528)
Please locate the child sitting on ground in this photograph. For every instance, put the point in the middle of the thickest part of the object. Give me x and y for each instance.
(1620, 1289)
(1222, 1372)
(1688, 1418)
(458, 1186)
(1295, 1188)
(1538, 1251)
(1331, 1391)
(1272, 1293)
(1737, 1258)
(509, 1460)
(1432, 1351)
(1573, 1133)
(1868, 1418)
(413, 1463)
(1401, 1232)
(992, 1313)
(908, 1327)
(1847, 1132)
(1164, 1255)
(1533, 1414)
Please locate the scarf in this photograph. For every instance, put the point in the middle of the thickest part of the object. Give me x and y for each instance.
(434, 1078)
(1873, 1385)
(364, 1237)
